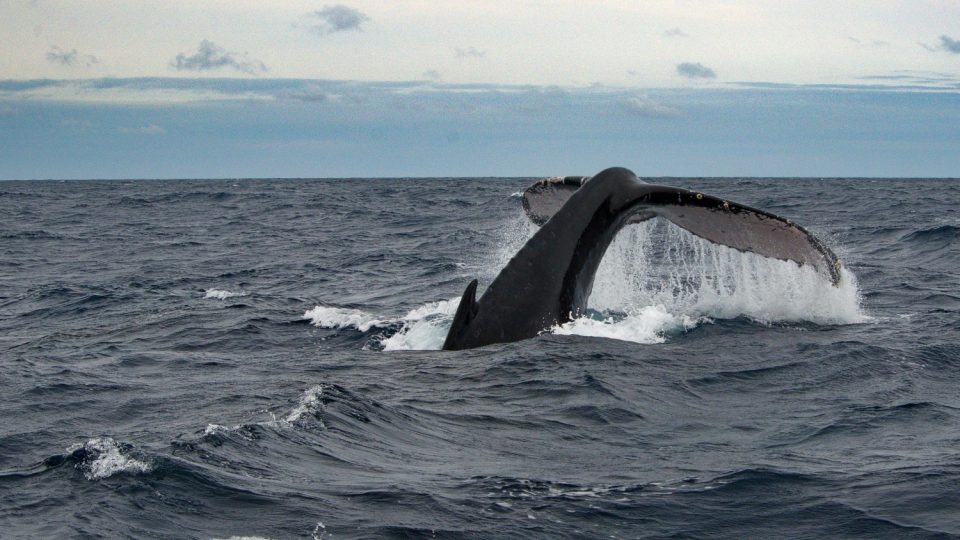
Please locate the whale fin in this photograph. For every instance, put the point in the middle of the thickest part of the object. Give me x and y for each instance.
(742, 228)
(542, 200)
(466, 312)
(716, 220)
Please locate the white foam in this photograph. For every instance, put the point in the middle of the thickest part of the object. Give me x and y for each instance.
(443, 307)
(309, 404)
(336, 317)
(107, 459)
(424, 328)
(213, 429)
(220, 294)
(649, 324)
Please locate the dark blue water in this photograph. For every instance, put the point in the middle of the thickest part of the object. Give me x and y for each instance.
(207, 359)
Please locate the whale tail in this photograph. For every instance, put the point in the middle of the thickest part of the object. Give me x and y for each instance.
(716, 220)
(550, 279)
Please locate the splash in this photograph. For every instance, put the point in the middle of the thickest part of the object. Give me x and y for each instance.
(422, 328)
(512, 237)
(658, 264)
(309, 404)
(655, 280)
(103, 457)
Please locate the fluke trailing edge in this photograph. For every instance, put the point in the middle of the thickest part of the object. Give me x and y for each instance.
(550, 279)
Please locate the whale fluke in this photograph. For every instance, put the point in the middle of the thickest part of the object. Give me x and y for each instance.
(717, 220)
(549, 281)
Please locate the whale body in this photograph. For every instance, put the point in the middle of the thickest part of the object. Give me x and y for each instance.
(549, 281)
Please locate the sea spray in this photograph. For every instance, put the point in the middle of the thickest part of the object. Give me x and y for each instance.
(658, 264)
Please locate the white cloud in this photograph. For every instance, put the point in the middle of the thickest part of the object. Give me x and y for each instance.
(522, 43)
(311, 93)
(642, 105)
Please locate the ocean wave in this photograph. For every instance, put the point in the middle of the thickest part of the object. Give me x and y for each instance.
(309, 404)
(104, 457)
(422, 328)
(221, 294)
(337, 317)
(941, 233)
(31, 235)
(649, 324)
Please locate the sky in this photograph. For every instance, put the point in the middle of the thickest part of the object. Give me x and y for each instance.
(406, 88)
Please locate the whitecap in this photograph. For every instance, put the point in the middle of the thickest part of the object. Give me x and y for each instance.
(336, 317)
(649, 324)
(215, 429)
(104, 457)
(220, 294)
(309, 404)
(422, 328)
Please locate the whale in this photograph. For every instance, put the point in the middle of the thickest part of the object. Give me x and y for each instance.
(549, 280)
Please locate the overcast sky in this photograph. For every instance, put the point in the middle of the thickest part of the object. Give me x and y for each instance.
(153, 89)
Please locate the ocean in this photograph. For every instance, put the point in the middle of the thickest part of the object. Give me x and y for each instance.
(259, 358)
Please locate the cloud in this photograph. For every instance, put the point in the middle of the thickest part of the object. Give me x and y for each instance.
(695, 71)
(470, 52)
(917, 79)
(338, 18)
(149, 129)
(310, 93)
(70, 58)
(642, 105)
(432, 74)
(209, 56)
(949, 44)
(674, 32)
